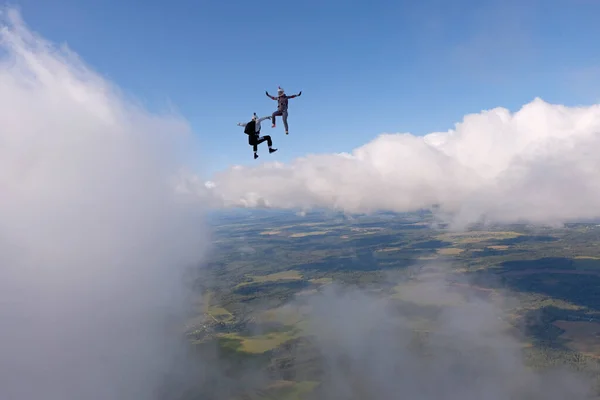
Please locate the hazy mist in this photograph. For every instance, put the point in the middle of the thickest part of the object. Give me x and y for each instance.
(93, 238)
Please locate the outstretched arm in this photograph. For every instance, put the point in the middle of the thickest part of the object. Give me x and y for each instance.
(268, 95)
(263, 118)
(295, 95)
(241, 124)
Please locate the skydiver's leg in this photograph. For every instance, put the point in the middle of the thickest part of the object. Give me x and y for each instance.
(275, 114)
(252, 140)
(267, 138)
(255, 143)
(261, 139)
(285, 124)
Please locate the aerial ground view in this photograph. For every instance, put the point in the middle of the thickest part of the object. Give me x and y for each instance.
(301, 200)
(324, 305)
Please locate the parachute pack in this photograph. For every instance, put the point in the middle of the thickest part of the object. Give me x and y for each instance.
(250, 128)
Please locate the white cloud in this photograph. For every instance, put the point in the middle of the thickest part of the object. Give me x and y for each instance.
(93, 238)
(538, 164)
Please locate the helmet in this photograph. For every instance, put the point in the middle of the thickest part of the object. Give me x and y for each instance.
(280, 90)
(254, 117)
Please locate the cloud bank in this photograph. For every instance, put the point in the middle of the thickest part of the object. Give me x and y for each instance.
(466, 349)
(93, 238)
(537, 164)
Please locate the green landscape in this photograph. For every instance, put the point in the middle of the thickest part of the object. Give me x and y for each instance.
(284, 298)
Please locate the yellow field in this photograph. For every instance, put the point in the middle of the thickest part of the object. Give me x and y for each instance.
(388, 249)
(278, 276)
(220, 314)
(476, 236)
(451, 251)
(215, 312)
(304, 234)
(261, 343)
(280, 230)
(499, 247)
(303, 224)
(355, 229)
(565, 305)
(321, 281)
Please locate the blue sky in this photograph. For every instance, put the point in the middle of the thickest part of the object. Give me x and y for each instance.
(365, 68)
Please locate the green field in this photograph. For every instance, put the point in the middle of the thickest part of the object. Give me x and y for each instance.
(265, 306)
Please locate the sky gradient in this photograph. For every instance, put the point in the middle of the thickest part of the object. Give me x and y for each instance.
(365, 68)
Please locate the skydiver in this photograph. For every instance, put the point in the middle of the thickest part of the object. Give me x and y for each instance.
(252, 129)
(282, 107)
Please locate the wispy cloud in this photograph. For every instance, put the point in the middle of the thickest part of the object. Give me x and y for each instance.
(461, 348)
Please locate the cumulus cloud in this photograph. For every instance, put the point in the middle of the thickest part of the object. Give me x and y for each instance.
(93, 236)
(537, 164)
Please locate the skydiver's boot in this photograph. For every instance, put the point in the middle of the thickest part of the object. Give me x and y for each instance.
(271, 150)
(287, 133)
(255, 156)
